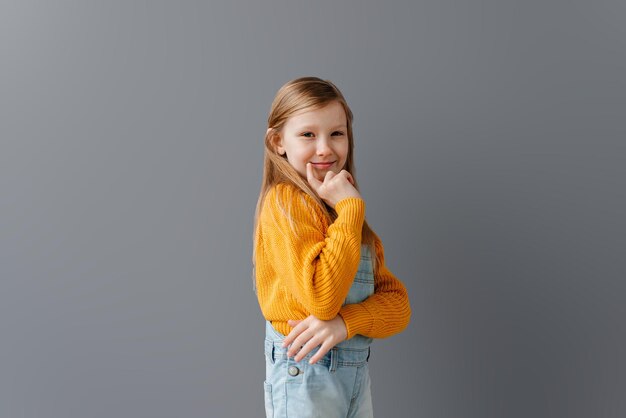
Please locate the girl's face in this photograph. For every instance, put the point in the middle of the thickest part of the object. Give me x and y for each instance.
(317, 136)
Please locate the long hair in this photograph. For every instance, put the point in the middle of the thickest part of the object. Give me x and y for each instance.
(301, 94)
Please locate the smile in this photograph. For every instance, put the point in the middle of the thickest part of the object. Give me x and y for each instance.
(323, 165)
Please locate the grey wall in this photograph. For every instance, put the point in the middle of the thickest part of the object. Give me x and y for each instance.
(490, 150)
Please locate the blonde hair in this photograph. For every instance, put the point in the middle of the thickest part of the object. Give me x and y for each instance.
(305, 93)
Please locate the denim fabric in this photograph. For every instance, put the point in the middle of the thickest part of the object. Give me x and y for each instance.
(338, 385)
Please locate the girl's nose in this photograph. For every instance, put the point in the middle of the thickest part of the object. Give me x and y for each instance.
(323, 147)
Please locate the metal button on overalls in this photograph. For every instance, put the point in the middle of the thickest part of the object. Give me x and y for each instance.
(293, 371)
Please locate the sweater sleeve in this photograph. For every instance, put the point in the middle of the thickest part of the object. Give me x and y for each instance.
(315, 264)
(386, 312)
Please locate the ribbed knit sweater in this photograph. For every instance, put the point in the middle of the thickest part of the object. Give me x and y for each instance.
(305, 266)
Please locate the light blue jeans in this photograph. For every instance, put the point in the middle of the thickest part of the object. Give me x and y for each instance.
(338, 385)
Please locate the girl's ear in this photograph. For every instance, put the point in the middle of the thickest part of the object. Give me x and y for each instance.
(276, 141)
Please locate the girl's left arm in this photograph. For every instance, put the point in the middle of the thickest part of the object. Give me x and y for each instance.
(386, 312)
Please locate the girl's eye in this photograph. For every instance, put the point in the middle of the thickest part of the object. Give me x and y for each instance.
(337, 133)
(307, 134)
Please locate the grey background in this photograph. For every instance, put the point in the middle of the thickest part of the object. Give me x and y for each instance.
(490, 150)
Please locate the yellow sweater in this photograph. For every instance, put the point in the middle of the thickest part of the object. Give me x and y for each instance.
(305, 266)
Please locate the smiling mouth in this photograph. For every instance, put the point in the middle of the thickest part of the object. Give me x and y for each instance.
(323, 165)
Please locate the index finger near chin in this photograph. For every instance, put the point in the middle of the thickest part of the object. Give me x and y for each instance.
(310, 177)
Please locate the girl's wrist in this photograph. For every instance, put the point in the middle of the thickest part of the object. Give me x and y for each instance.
(355, 203)
(351, 210)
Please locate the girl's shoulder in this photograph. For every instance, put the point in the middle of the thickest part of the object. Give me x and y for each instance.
(288, 200)
(288, 194)
(283, 190)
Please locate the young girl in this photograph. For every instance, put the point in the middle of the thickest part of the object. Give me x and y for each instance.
(320, 273)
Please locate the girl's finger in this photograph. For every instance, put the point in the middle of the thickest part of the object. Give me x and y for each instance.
(346, 173)
(329, 175)
(295, 332)
(350, 179)
(298, 343)
(314, 182)
(324, 348)
(306, 349)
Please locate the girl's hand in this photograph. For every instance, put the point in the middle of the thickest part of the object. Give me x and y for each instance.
(312, 332)
(334, 187)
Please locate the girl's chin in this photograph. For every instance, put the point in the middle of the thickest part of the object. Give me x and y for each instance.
(319, 173)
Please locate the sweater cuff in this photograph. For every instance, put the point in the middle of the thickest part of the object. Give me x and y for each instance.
(351, 210)
(357, 318)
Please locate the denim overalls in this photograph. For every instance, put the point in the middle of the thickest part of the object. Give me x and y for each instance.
(338, 385)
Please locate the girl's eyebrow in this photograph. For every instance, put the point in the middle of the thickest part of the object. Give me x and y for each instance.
(312, 127)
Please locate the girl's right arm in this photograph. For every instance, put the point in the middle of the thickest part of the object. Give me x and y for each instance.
(313, 261)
